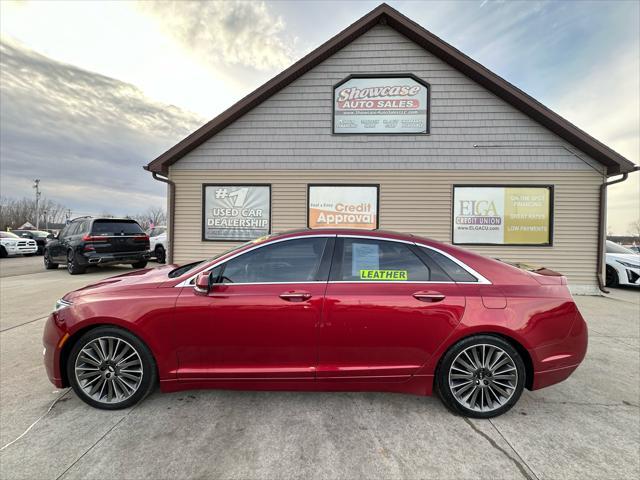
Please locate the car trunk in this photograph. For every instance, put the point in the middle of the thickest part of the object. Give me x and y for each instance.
(116, 236)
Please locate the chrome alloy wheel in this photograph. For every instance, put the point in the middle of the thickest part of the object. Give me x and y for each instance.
(483, 378)
(109, 370)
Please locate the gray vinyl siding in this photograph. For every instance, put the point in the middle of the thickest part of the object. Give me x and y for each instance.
(293, 128)
(412, 201)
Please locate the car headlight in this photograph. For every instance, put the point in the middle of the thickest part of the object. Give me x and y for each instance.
(627, 264)
(60, 304)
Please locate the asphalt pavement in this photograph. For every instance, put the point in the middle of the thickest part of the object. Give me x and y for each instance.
(585, 427)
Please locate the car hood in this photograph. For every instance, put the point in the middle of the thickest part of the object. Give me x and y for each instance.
(625, 257)
(138, 279)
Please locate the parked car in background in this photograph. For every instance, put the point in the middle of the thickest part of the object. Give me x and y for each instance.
(321, 310)
(98, 241)
(41, 237)
(12, 244)
(158, 243)
(623, 266)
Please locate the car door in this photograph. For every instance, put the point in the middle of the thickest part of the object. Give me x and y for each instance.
(260, 318)
(386, 311)
(57, 249)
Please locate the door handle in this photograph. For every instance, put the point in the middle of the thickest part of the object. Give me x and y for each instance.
(429, 296)
(295, 296)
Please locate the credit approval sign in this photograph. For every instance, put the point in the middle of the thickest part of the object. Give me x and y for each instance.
(381, 105)
(343, 206)
(502, 215)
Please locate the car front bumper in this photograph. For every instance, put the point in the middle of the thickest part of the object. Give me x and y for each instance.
(20, 249)
(53, 339)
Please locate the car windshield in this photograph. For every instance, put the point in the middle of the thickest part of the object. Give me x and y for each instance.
(40, 234)
(615, 248)
(181, 270)
(115, 227)
(8, 235)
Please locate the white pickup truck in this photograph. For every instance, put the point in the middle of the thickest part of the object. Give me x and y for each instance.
(158, 243)
(11, 244)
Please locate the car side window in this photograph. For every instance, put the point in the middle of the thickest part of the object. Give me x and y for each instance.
(289, 261)
(379, 260)
(72, 229)
(452, 269)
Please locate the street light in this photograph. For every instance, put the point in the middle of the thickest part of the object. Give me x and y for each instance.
(36, 185)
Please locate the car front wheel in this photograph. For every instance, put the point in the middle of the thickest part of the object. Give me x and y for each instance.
(612, 279)
(111, 369)
(481, 377)
(48, 264)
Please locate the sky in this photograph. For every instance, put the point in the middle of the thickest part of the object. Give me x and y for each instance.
(92, 91)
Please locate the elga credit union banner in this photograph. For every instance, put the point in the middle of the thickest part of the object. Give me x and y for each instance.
(236, 212)
(380, 105)
(502, 215)
(343, 207)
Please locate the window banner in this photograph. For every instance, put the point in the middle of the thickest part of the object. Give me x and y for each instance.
(343, 207)
(502, 215)
(236, 212)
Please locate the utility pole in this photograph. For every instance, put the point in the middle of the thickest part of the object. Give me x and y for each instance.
(46, 221)
(68, 214)
(36, 185)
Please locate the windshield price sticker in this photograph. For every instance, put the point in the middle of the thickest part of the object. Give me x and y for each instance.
(397, 275)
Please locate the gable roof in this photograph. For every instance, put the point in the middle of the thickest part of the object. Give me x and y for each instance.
(384, 14)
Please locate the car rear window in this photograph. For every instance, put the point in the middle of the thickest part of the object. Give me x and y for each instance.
(452, 269)
(118, 227)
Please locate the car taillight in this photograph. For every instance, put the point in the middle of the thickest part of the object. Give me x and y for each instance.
(89, 238)
(141, 238)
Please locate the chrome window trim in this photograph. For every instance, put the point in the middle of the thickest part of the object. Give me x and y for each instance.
(187, 282)
(481, 279)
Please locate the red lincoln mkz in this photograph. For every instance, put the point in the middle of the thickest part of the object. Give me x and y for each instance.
(336, 310)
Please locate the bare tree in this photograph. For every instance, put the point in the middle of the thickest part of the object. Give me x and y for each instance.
(634, 228)
(153, 216)
(16, 212)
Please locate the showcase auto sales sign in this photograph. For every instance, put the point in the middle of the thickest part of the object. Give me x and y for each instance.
(380, 105)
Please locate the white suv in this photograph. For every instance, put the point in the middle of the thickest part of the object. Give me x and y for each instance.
(11, 244)
(158, 243)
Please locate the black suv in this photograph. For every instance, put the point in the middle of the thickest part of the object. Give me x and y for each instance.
(97, 241)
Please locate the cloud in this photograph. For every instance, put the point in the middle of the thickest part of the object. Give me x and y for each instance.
(86, 136)
(232, 33)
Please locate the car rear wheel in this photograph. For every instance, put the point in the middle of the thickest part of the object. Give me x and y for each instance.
(111, 369)
(481, 377)
(612, 279)
(160, 254)
(139, 264)
(48, 264)
(73, 267)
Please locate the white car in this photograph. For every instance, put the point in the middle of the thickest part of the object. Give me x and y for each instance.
(12, 244)
(158, 243)
(623, 266)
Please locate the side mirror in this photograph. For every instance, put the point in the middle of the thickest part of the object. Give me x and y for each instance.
(203, 283)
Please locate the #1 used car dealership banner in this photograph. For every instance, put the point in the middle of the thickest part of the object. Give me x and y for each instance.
(380, 105)
(502, 215)
(343, 207)
(236, 212)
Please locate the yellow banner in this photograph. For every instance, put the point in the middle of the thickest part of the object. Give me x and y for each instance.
(384, 275)
(526, 216)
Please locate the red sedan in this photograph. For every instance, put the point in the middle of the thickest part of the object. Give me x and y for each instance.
(338, 310)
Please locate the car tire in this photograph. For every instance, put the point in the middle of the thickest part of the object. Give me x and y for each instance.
(612, 279)
(481, 377)
(73, 267)
(139, 264)
(3, 252)
(94, 368)
(160, 254)
(48, 264)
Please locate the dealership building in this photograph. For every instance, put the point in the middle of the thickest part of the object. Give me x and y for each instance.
(387, 126)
